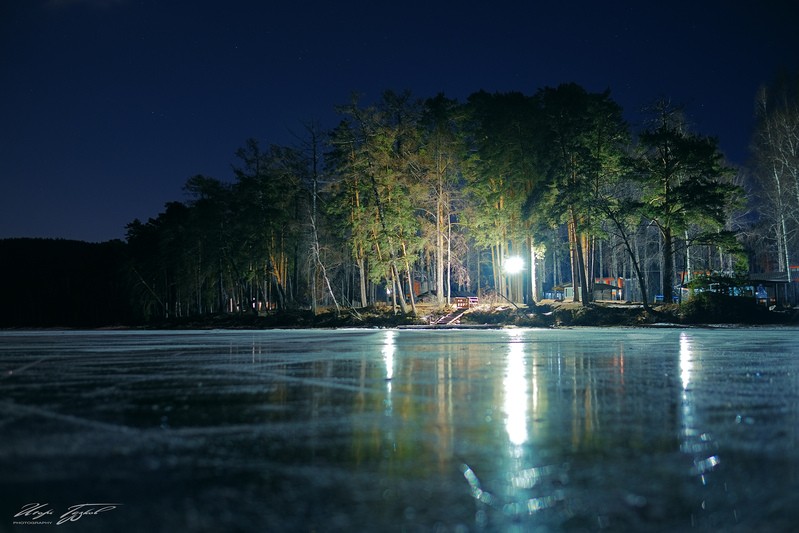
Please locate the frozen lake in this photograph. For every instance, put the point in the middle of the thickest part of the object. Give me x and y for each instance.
(387, 430)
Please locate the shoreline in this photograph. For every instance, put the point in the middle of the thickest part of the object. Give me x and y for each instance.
(710, 311)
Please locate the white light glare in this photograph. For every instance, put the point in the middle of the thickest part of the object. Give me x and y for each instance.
(514, 264)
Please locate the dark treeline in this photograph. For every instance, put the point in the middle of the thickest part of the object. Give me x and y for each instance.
(408, 197)
(60, 283)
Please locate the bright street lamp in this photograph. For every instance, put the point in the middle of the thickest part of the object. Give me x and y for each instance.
(514, 265)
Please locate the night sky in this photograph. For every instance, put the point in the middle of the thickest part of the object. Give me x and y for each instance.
(107, 107)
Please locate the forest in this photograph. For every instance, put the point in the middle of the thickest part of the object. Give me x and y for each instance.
(413, 199)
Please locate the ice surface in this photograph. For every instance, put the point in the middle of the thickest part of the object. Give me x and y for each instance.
(385, 430)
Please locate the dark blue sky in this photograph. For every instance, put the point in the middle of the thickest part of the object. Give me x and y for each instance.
(107, 107)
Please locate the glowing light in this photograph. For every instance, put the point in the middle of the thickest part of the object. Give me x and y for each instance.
(514, 265)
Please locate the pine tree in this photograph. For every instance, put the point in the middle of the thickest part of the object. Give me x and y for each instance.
(684, 183)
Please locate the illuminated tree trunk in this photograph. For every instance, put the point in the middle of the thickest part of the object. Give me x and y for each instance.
(532, 295)
(449, 258)
(410, 280)
(361, 265)
(587, 284)
(440, 237)
(575, 267)
(579, 263)
(668, 265)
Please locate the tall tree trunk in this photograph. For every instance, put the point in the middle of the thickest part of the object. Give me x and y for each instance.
(399, 289)
(362, 279)
(449, 259)
(784, 236)
(394, 290)
(439, 243)
(410, 283)
(581, 265)
(668, 265)
(573, 254)
(532, 294)
(634, 259)
(588, 268)
(394, 272)
(585, 296)
(688, 266)
(496, 269)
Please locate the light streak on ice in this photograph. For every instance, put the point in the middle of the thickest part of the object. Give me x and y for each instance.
(516, 394)
(686, 360)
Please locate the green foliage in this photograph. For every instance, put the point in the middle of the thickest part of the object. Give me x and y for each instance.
(231, 245)
(410, 187)
(405, 180)
(504, 129)
(683, 178)
(581, 154)
(685, 185)
(735, 285)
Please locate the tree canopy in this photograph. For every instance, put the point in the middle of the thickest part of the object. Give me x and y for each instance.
(408, 198)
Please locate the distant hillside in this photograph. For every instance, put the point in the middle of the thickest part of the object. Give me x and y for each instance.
(61, 283)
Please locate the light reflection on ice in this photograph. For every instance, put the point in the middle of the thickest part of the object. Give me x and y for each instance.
(529, 477)
(565, 428)
(389, 347)
(516, 395)
(696, 442)
(686, 360)
(514, 507)
(703, 466)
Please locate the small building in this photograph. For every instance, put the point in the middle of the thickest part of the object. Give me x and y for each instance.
(604, 289)
(766, 288)
(774, 288)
